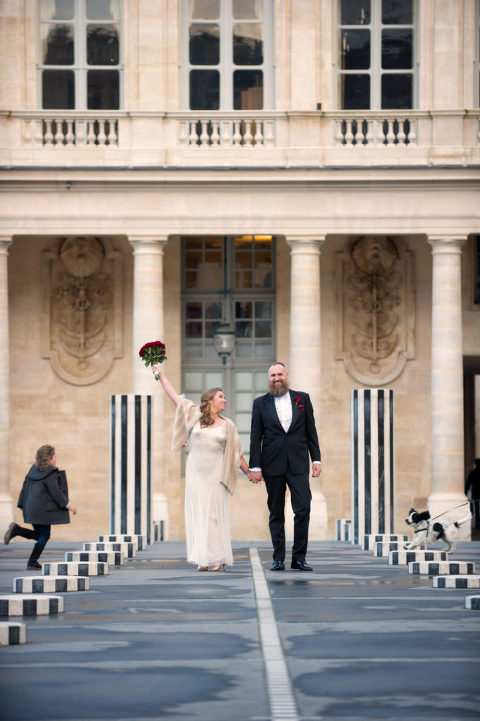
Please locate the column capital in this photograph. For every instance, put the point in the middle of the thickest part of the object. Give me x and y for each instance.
(148, 243)
(299, 243)
(446, 243)
(5, 242)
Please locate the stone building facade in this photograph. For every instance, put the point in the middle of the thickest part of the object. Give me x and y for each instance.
(306, 172)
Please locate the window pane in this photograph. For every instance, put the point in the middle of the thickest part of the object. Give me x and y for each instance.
(243, 260)
(263, 329)
(56, 9)
(263, 309)
(396, 91)
(244, 401)
(204, 90)
(476, 279)
(58, 89)
(103, 9)
(397, 49)
(248, 43)
(191, 279)
(204, 9)
(247, 90)
(355, 92)
(213, 310)
(193, 310)
(243, 381)
(102, 44)
(193, 329)
(355, 50)
(397, 12)
(204, 44)
(243, 279)
(193, 259)
(248, 9)
(103, 90)
(263, 278)
(355, 12)
(57, 44)
(243, 309)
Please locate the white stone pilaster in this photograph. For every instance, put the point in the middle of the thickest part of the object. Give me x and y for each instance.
(305, 350)
(6, 504)
(477, 415)
(148, 325)
(447, 381)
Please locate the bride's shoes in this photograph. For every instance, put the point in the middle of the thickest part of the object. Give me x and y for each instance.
(202, 568)
(217, 567)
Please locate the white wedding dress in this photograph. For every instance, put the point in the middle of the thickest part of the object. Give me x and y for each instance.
(207, 512)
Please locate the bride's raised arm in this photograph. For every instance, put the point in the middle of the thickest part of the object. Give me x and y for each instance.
(166, 385)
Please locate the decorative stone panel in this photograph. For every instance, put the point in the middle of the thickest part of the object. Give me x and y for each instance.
(375, 308)
(83, 304)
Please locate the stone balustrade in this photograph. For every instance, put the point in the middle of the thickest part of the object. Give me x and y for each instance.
(270, 138)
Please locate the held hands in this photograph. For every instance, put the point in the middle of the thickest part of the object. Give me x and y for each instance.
(255, 476)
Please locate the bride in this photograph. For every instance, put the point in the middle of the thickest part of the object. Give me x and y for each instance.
(214, 456)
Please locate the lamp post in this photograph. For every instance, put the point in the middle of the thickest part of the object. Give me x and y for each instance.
(224, 341)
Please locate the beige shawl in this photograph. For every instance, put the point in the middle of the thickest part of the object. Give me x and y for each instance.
(186, 416)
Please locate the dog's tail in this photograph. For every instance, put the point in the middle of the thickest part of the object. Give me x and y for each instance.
(461, 521)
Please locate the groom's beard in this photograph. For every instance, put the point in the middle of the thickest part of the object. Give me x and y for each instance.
(278, 389)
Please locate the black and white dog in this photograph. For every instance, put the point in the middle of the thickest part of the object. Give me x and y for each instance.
(426, 532)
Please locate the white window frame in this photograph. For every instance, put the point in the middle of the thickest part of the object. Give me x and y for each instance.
(375, 72)
(226, 66)
(79, 66)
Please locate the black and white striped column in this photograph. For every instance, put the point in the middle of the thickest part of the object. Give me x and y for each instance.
(130, 464)
(372, 462)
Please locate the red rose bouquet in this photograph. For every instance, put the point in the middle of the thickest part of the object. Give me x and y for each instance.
(153, 353)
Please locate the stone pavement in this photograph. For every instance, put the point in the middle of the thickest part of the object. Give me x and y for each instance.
(155, 639)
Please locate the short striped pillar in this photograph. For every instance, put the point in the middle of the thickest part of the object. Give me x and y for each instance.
(130, 465)
(372, 463)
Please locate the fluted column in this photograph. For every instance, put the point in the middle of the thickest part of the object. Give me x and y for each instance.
(148, 325)
(447, 380)
(6, 504)
(305, 349)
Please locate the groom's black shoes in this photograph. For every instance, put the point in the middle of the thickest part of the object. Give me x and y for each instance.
(300, 566)
(278, 566)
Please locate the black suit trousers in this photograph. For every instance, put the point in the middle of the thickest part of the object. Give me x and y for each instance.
(300, 496)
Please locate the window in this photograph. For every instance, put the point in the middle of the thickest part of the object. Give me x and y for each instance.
(229, 279)
(227, 54)
(80, 63)
(376, 54)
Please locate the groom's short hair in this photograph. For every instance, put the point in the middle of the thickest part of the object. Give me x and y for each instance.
(277, 363)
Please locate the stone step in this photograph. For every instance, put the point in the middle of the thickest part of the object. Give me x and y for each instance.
(140, 541)
(126, 548)
(50, 584)
(344, 529)
(15, 605)
(371, 538)
(383, 549)
(457, 581)
(12, 634)
(451, 568)
(75, 569)
(113, 558)
(472, 603)
(403, 558)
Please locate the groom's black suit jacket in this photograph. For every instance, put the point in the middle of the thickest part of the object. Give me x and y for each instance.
(276, 451)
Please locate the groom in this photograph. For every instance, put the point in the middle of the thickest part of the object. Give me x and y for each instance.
(282, 438)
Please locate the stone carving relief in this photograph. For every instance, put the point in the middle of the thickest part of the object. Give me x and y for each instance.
(375, 308)
(83, 308)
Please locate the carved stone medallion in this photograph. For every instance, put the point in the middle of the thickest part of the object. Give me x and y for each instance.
(83, 297)
(375, 308)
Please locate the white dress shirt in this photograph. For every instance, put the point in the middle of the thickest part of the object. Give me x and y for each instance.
(283, 405)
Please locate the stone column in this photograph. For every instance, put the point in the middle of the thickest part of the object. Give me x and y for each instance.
(305, 350)
(6, 504)
(447, 381)
(147, 320)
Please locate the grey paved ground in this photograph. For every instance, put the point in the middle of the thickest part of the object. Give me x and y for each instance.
(157, 640)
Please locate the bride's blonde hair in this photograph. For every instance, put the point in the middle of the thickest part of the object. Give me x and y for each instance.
(205, 418)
